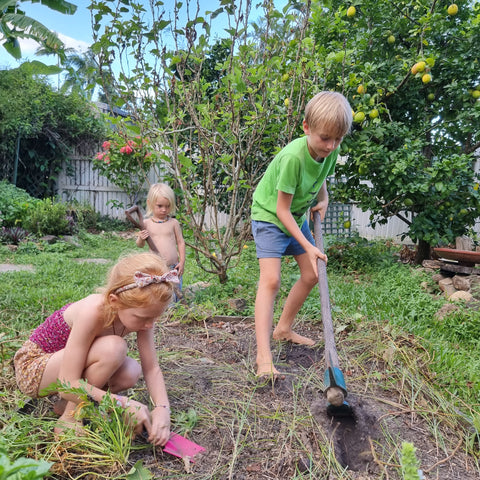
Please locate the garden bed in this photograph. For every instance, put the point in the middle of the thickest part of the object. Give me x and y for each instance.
(255, 430)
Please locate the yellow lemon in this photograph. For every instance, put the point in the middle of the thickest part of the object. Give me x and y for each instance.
(361, 89)
(476, 93)
(426, 78)
(359, 117)
(373, 113)
(391, 39)
(418, 67)
(421, 66)
(286, 102)
(452, 9)
(351, 11)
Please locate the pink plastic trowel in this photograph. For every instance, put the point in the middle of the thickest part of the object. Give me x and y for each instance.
(182, 447)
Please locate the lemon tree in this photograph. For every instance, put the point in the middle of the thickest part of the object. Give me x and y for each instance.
(412, 156)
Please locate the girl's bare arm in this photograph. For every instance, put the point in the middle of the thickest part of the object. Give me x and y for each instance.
(159, 430)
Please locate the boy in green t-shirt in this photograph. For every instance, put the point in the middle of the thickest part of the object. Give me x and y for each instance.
(292, 182)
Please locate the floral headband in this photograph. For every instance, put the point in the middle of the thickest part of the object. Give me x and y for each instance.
(141, 280)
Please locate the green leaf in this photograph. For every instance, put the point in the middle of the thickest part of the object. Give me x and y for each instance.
(139, 472)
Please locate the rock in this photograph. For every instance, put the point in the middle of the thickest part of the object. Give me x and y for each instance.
(464, 243)
(461, 295)
(446, 286)
(444, 282)
(461, 283)
(190, 290)
(50, 239)
(437, 277)
(237, 304)
(446, 310)
(474, 280)
(72, 241)
(432, 264)
(99, 261)
(9, 267)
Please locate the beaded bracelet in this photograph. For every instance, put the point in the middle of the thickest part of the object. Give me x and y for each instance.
(163, 406)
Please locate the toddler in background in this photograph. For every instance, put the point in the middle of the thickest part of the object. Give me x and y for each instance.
(164, 230)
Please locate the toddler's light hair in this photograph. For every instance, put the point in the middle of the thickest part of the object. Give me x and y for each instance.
(122, 273)
(330, 111)
(157, 191)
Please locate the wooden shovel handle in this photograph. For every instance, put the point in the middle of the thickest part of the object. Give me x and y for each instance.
(139, 224)
(331, 355)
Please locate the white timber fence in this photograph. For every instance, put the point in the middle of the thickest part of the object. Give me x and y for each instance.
(80, 182)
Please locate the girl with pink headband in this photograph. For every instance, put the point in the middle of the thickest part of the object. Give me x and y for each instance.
(84, 340)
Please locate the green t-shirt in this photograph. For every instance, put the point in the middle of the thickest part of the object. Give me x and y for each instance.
(293, 171)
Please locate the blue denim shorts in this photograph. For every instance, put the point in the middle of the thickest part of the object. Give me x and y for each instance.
(271, 242)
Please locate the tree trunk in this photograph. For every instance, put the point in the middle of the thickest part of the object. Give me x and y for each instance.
(423, 252)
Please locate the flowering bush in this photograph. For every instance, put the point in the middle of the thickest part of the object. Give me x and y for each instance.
(125, 162)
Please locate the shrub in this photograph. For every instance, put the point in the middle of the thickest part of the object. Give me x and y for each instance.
(84, 215)
(13, 235)
(14, 203)
(49, 218)
(358, 254)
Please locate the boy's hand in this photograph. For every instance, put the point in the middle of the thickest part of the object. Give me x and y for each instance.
(321, 207)
(314, 253)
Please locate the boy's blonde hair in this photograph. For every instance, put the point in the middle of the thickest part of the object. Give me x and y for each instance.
(160, 190)
(123, 273)
(330, 111)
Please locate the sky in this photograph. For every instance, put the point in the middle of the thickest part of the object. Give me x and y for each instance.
(74, 30)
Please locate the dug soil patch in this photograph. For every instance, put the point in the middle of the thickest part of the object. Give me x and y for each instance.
(259, 430)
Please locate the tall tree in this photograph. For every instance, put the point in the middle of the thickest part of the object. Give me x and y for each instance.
(82, 74)
(413, 79)
(39, 127)
(14, 24)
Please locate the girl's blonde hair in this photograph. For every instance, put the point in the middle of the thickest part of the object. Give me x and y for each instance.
(123, 273)
(160, 190)
(330, 111)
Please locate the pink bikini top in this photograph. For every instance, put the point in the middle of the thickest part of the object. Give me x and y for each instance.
(52, 334)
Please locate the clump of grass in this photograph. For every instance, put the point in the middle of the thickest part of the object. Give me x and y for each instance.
(105, 442)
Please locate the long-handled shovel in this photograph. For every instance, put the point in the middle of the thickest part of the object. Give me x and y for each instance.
(335, 388)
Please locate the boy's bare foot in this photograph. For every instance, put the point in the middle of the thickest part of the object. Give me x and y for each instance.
(293, 337)
(266, 371)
